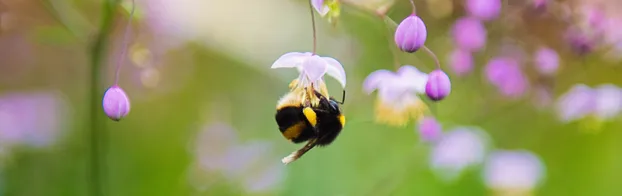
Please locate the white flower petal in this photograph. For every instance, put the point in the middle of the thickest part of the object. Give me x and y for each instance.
(414, 79)
(576, 103)
(320, 7)
(608, 101)
(314, 68)
(375, 79)
(291, 60)
(335, 70)
(517, 169)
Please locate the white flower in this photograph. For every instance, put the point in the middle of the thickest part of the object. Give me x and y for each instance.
(513, 170)
(608, 101)
(457, 150)
(312, 69)
(576, 103)
(603, 102)
(397, 94)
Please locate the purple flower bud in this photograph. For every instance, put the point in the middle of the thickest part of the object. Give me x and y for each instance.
(579, 42)
(484, 9)
(547, 61)
(411, 34)
(116, 103)
(429, 129)
(461, 62)
(469, 34)
(438, 85)
(540, 6)
(505, 74)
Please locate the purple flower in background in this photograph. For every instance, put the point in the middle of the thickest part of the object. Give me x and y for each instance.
(594, 17)
(438, 86)
(547, 61)
(543, 96)
(469, 34)
(513, 171)
(429, 129)
(212, 144)
(217, 149)
(116, 103)
(31, 118)
(397, 94)
(461, 62)
(312, 68)
(457, 150)
(484, 9)
(540, 5)
(410, 34)
(320, 7)
(505, 74)
(579, 41)
(576, 103)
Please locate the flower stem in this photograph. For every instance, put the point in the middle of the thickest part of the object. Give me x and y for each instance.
(436, 61)
(97, 134)
(124, 47)
(412, 3)
(313, 26)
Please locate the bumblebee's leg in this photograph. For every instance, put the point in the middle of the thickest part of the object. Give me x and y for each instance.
(323, 99)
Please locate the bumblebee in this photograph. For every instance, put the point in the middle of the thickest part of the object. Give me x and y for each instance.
(300, 122)
(305, 114)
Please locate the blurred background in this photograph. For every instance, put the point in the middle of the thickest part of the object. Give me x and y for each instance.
(203, 96)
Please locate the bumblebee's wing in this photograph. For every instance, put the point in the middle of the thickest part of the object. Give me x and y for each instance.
(294, 125)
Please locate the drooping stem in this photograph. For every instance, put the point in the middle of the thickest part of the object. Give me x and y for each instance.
(96, 128)
(412, 3)
(313, 27)
(124, 47)
(436, 61)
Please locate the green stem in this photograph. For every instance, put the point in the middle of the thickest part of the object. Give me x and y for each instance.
(313, 26)
(97, 135)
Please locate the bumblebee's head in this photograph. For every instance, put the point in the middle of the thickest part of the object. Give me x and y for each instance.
(334, 106)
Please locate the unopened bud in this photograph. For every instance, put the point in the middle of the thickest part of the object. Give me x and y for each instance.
(116, 103)
(547, 61)
(429, 129)
(438, 85)
(411, 34)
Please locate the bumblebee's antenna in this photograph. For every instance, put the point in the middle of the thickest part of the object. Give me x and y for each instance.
(343, 98)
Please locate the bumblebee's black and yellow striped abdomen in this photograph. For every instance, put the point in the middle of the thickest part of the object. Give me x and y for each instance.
(293, 124)
(298, 123)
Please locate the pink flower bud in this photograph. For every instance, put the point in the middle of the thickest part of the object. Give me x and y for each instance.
(429, 129)
(469, 34)
(461, 62)
(410, 34)
(484, 9)
(116, 103)
(438, 85)
(547, 61)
